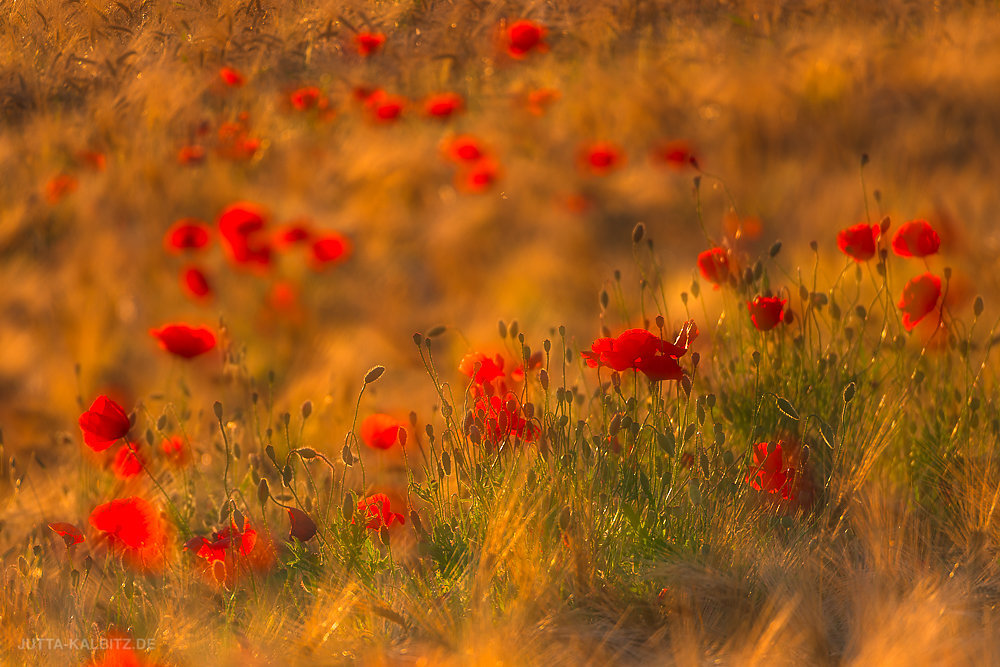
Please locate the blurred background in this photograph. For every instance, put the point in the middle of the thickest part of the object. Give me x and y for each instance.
(777, 101)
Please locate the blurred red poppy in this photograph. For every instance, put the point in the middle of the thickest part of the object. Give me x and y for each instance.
(489, 368)
(195, 283)
(443, 105)
(385, 108)
(231, 539)
(540, 99)
(766, 312)
(103, 424)
(71, 534)
(916, 239)
(292, 234)
(119, 652)
(380, 431)
(175, 451)
(133, 527)
(376, 509)
(920, 297)
(60, 186)
(306, 98)
(524, 36)
(859, 242)
(330, 248)
(303, 528)
(368, 43)
(601, 158)
(128, 462)
(714, 266)
(240, 227)
(503, 417)
(479, 176)
(186, 234)
(769, 472)
(675, 154)
(464, 148)
(191, 155)
(95, 160)
(644, 351)
(231, 77)
(183, 340)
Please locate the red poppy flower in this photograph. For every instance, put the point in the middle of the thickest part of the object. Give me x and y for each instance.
(383, 107)
(766, 312)
(190, 155)
(303, 528)
(306, 98)
(377, 511)
(103, 424)
(503, 417)
(714, 266)
(464, 148)
(916, 239)
(133, 527)
(119, 652)
(675, 154)
(769, 472)
(637, 349)
(240, 226)
(231, 77)
(601, 158)
(541, 99)
(479, 176)
(292, 233)
(231, 552)
(186, 234)
(92, 159)
(128, 461)
(60, 186)
(283, 298)
(71, 534)
(859, 242)
(524, 36)
(380, 431)
(183, 340)
(920, 297)
(489, 368)
(195, 283)
(331, 248)
(368, 43)
(443, 105)
(175, 451)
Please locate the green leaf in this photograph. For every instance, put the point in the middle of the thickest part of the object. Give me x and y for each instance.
(787, 409)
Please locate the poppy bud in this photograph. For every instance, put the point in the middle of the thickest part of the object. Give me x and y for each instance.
(884, 224)
(418, 339)
(263, 491)
(374, 374)
(978, 306)
(415, 520)
(348, 507)
(804, 457)
(286, 475)
(383, 535)
(446, 462)
(269, 451)
(564, 519)
(849, 393)
(306, 452)
(543, 379)
(604, 299)
(947, 273)
(307, 409)
(502, 328)
(161, 423)
(775, 249)
(239, 520)
(436, 331)
(346, 455)
(638, 232)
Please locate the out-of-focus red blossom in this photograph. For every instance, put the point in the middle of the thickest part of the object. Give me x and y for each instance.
(103, 424)
(577, 203)
(60, 186)
(95, 160)
(383, 107)
(283, 298)
(714, 266)
(367, 43)
(920, 297)
(330, 248)
(306, 98)
(540, 99)
(71, 534)
(503, 417)
(443, 105)
(524, 36)
(128, 462)
(687, 459)
(675, 154)
(769, 471)
(377, 511)
(489, 368)
(534, 361)
(235, 142)
(644, 351)
(766, 312)
(175, 451)
(183, 340)
(479, 176)
(464, 148)
(191, 155)
(916, 238)
(737, 227)
(380, 431)
(119, 652)
(859, 242)
(601, 158)
(134, 528)
(292, 233)
(186, 234)
(302, 528)
(230, 553)
(241, 226)
(195, 283)
(231, 77)
(231, 539)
